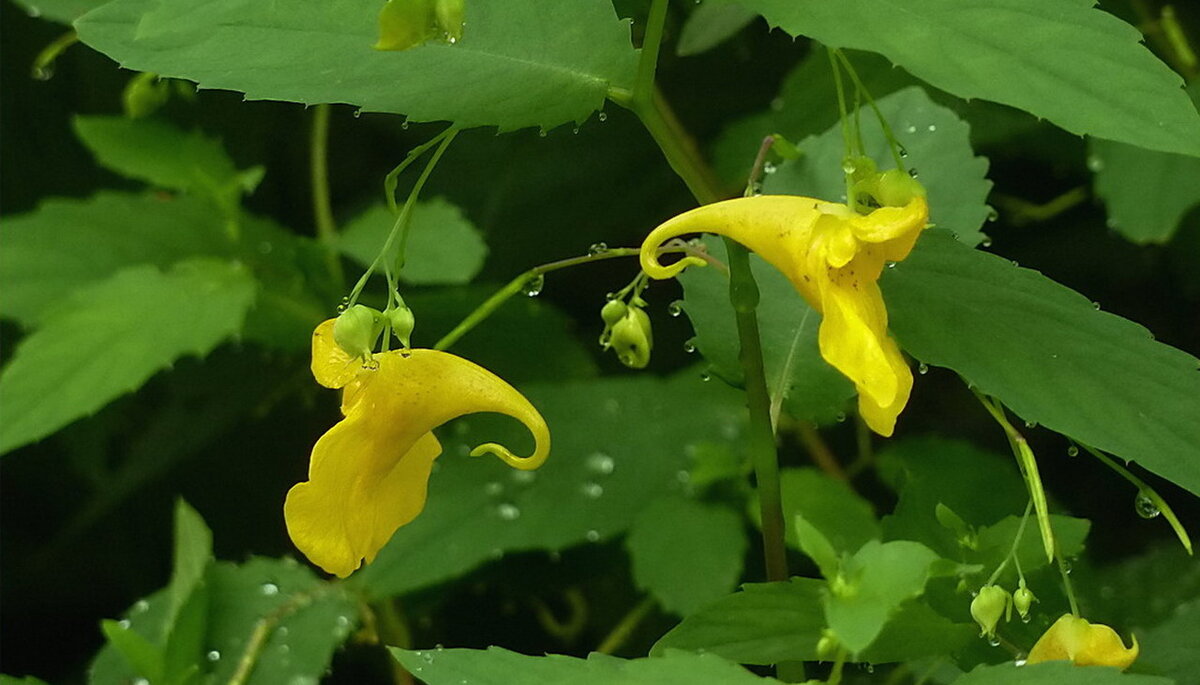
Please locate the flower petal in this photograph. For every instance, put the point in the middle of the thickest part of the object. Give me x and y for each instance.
(890, 223)
(332, 366)
(1076, 640)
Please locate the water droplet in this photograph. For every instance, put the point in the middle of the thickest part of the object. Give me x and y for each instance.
(343, 621)
(139, 606)
(994, 641)
(932, 128)
(213, 655)
(769, 168)
(1096, 306)
(986, 242)
(284, 649)
(689, 346)
(1016, 263)
(124, 623)
(427, 657)
(522, 477)
(705, 376)
(404, 125)
(776, 104)
(911, 129)
(597, 249)
(848, 166)
(992, 214)
(1145, 507)
(922, 368)
(675, 308)
(683, 477)
(891, 265)
(358, 113)
(269, 589)
(533, 286)
(840, 418)
(603, 117)
(1019, 663)
(1072, 451)
(508, 511)
(592, 490)
(542, 133)
(43, 73)
(913, 172)
(601, 463)
(1031, 424)
(1095, 163)
(903, 152)
(592, 535)
(496, 553)
(493, 488)
(141, 681)
(1026, 618)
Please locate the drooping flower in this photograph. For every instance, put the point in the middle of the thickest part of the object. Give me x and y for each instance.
(1074, 639)
(369, 473)
(834, 257)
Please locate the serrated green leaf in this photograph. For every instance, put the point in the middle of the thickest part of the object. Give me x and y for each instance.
(618, 444)
(1146, 192)
(517, 65)
(112, 337)
(711, 24)
(444, 248)
(1055, 673)
(686, 553)
(764, 623)
(812, 389)
(1053, 55)
(939, 149)
(883, 576)
(496, 666)
(1049, 355)
(164, 156)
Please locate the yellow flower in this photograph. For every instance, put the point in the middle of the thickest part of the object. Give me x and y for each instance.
(834, 257)
(1085, 644)
(368, 475)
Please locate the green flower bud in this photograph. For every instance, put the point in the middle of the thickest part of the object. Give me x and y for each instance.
(405, 24)
(449, 15)
(827, 646)
(356, 330)
(402, 321)
(612, 312)
(989, 605)
(1022, 599)
(896, 188)
(144, 94)
(632, 339)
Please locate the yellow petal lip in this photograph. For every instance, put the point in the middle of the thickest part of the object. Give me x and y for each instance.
(1074, 639)
(834, 257)
(368, 474)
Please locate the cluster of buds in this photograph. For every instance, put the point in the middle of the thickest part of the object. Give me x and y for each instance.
(357, 329)
(993, 602)
(627, 331)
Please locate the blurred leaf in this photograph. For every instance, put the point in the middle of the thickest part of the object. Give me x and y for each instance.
(444, 248)
(1169, 648)
(61, 11)
(27, 680)
(883, 576)
(1049, 53)
(304, 620)
(686, 553)
(193, 552)
(517, 65)
(1147, 192)
(830, 505)
(112, 337)
(711, 24)
(763, 624)
(140, 654)
(813, 390)
(618, 444)
(1049, 355)
(818, 547)
(495, 666)
(915, 631)
(164, 156)
(1140, 592)
(1054, 673)
(938, 145)
(995, 541)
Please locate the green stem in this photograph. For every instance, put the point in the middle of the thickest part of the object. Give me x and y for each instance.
(847, 140)
(1066, 578)
(643, 89)
(322, 209)
(883, 122)
(625, 627)
(517, 284)
(1012, 551)
(679, 148)
(1144, 490)
(43, 64)
(835, 675)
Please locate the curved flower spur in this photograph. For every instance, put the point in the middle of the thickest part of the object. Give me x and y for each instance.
(369, 473)
(833, 256)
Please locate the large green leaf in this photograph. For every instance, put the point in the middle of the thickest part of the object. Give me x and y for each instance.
(1049, 354)
(811, 389)
(938, 146)
(1063, 60)
(110, 338)
(518, 64)
(162, 155)
(686, 553)
(443, 248)
(618, 444)
(495, 666)
(1055, 673)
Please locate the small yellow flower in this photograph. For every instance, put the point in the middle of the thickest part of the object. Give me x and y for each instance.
(368, 475)
(834, 257)
(1085, 644)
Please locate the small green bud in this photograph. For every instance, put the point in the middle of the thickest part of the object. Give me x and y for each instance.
(633, 339)
(356, 330)
(989, 605)
(1022, 599)
(144, 95)
(612, 312)
(405, 24)
(449, 15)
(843, 588)
(895, 188)
(402, 321)
(827, 646)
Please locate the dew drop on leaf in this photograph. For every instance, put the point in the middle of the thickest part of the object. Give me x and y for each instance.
(1145, 507)
(675, 308)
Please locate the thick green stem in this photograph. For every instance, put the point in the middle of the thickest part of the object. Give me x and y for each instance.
(322, 208)
(648, 64)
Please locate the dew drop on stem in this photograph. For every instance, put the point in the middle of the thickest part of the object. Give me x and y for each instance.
(1145, 507)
